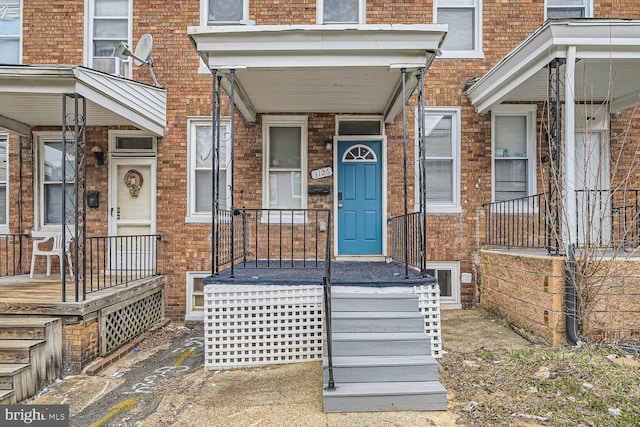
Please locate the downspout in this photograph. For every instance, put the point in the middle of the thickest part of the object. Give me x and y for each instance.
(571, 300)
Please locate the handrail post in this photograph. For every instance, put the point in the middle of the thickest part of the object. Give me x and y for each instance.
(331, 385)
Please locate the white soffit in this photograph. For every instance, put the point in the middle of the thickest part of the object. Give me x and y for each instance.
(318, 68)
(32, 95)
(608, 57)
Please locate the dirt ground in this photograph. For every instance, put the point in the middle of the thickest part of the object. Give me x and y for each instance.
(475, 344)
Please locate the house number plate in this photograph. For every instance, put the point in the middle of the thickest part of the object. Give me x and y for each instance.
(321, 173)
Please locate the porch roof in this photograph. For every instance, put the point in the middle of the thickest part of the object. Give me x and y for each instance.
(319, 68)
(608, 58)
(32, 95)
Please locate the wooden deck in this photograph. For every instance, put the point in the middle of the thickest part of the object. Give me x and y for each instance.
(42, 295)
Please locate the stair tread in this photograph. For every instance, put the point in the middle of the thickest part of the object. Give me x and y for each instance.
(12, 368)
(381, 361)
(14, 344)
(5, 393)
(363, 295)
(377, 315)
(26, 322)
(386, 388)
(378, 336)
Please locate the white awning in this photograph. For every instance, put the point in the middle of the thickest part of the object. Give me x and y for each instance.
(607, 55)
(319, 68)
(32, 95)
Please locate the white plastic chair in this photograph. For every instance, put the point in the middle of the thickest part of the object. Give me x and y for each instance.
(56, 250)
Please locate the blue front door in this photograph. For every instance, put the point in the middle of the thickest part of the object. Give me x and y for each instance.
(359, 198)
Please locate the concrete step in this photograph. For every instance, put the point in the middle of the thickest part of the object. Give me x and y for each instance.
(18, 378)
(348, 301)
(380, 344)
(387, 321)
(7, 397)
(359, 369)
(386, 396)
(25, 327)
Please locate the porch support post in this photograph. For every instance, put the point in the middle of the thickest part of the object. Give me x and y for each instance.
(569, 233)
(232, 108)
(422, 173)
(74, 204)
(404, 159)
(215, 168)
(554, 185)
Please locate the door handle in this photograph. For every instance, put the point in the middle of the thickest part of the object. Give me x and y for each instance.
(339, 205)
(118, 217)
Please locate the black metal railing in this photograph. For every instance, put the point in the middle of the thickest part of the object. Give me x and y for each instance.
(14, 254)
(118, 260)
(411, 252)
(524, 222)
(226, 252)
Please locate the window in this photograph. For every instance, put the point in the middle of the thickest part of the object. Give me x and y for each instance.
(195, 295)
(441, 160)
(341, 11)
(513, 134)
(200, 185)
(50, 180)
(135, 143)
(448, 275)
(4, 179)
(563, 9)
(10, 31)
(285, 162)
(464, 17)
(359, 125)
(109, 24)
(224, 11)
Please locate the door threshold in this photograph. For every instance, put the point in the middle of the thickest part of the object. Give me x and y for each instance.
(362, 258)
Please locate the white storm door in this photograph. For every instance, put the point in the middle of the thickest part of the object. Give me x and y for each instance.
(132, 213)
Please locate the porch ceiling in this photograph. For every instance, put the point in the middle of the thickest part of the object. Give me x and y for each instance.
(608, 59)
(31, 95)
(319, 68)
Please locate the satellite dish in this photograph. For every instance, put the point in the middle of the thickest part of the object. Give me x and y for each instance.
(143, 50)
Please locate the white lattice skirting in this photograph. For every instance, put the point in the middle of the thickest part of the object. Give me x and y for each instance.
(253, 325)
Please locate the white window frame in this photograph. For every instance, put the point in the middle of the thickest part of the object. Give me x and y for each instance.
(115, 151)
(588, 9)
(362, 13)
(191, 314)
(4, 227)
(192, 215)
(204, 14)
(284, 121)
(17, 36)
(454, 206)
(88, 42)
(476, 52)
(344, 118)
(446, 302)
(530, 112)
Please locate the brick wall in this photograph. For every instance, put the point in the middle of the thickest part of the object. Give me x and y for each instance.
(80, 345)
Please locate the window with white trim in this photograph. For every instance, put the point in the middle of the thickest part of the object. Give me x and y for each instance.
(200, 178)
(216, 12)
(441, 159)
(341, 11)
(359, 125)
(4, 180)
(10, 31)
(564, 9)
(109, 25)
(448, 275)
(513, 146)
(464, 18)
(50, 180)
(285, 162)
(195, 295)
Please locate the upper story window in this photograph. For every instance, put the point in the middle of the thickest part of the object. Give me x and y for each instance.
(10, 31)
(4, 179)
(201, 165)
(513, 144)
(109, 24)
(442, 159)
(464, 37)
(224, 11)
(341, 11)
(563, 9)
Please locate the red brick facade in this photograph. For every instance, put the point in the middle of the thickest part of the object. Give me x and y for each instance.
(53, 34)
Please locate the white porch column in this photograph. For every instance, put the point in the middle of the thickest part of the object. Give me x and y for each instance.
(569, 229)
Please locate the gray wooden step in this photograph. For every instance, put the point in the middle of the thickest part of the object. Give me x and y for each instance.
(8, 371)
(7, 397)
(359, 369)
(18, 378)
(380, 344)
(18, 351)
(387, 321)
(25, 327)
(346, 301)
(387, 396)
